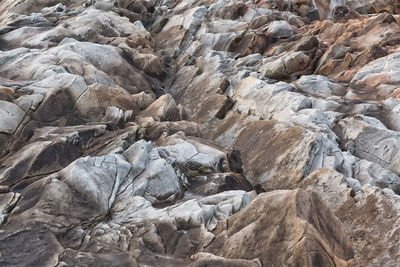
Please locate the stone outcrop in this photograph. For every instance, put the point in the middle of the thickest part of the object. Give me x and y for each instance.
(293, 232)
(199, 133)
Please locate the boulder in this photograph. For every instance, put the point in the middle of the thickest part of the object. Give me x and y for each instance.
(283, 67)
(280, 29)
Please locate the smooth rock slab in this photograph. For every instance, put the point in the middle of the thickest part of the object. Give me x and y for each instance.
(30, 246)
(284, 66)
(163, 109)
(138, 155)
(93, 102)
(10, 117)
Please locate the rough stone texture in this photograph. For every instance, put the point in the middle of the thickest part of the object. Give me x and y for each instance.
(369, 139)
(184, 133)
(50, 150)
(7, 204)
(298, 229)
(366, 218)
(332, 186)
(365, 215)
(287, 161)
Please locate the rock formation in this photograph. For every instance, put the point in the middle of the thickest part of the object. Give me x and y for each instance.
(199, 133)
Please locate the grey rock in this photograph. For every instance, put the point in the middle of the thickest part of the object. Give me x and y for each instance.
(282, 67)
(280, 29)
(10, 117)
(7, 204)
(318, 84)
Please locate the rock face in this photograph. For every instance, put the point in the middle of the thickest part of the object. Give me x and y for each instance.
(199, 133)
(297, 229)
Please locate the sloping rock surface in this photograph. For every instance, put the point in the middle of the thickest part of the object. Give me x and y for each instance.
(199, 133)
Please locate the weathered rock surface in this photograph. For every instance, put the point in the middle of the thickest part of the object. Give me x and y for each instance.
(194, 133)
(362, 216)
(293, 232)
